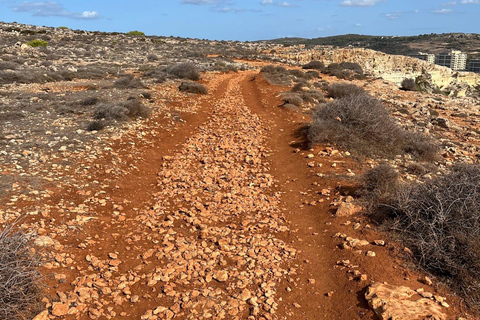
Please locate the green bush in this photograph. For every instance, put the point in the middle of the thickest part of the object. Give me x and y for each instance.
(135, 33)
(37, 43)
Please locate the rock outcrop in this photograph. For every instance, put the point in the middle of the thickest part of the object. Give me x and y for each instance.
(391, 302)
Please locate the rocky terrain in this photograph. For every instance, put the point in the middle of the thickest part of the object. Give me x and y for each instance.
(146, 202)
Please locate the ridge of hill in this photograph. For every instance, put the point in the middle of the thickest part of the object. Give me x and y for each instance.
(403, 45)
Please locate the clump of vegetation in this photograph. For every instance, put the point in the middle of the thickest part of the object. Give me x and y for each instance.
(121, 111)
(409, 84)
(96, 125)
(128, 81)
(20, 288)
(439, 221)
(37, 43)
(314, 64)
(62, 28)
(292, 98)
(192, 87)
(340, 90)
(345, 70)
(152, 57)
(185, 70)
(91, 101)
(363, 125)
(135, 33)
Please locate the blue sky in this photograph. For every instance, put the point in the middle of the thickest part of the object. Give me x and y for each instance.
(251, 19)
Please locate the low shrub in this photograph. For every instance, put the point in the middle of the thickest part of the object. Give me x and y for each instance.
(409, 84)
(121, 111)
(8, 65)
(345, 70)
(184, 70)
(91, 101)
(314, 64)
(297, 73)
(363, 125)
(136, 109)
(96, 125)
(20, 287)
(37, 43)
(439, 221)
(152, 57)
(192, 87)
(128, 81)
(312, 96)
(135, 33)
(292, 98)
(340, 90)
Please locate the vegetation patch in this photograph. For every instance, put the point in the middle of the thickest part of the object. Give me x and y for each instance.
(340, 90)
(185, 70)
(193, 87)
(20, 288)
(363, 125)
(438, 220)
(37, 43)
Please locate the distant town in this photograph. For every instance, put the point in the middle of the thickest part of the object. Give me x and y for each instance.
(454, 59)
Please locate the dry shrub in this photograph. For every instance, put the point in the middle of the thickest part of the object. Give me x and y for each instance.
(292, 98)
(121, 111)
(193, 87)
(363, 125)
(314, 64)
(184, 70)
(440, 222)
(91, 101)
(300, 86)
(409, 85)
(128, 81)
(20, 289)
(96, 125)
(379, 185)
(312, 96)
(340, 90)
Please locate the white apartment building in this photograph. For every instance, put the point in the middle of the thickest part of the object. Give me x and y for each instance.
(455, 60)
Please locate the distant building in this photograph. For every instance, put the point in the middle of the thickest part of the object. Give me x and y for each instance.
(425, 56)
(474, 66)
(455, 60)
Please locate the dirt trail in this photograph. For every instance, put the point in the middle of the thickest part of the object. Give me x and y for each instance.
(222, 220)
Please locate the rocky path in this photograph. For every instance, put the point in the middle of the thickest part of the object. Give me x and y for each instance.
(225, 219)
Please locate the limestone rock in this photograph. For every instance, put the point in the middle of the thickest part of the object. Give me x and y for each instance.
(347, 209)
(44, 241)
(42, 315)
(391, 302)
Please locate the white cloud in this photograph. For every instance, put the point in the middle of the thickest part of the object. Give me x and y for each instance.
(443, 11)
(265, 2)
(53, 9)
(450, 4)
(393, 16)
(359, 3)
(470, 1)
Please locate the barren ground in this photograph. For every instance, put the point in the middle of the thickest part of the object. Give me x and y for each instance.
(212, 208)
